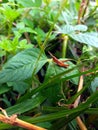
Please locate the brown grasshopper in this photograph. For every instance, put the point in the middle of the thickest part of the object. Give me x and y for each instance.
(58, 62)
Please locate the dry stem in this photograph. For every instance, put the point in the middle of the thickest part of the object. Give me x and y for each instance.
(27, 37)
(82, 10)
(78, 119)
(13, 120)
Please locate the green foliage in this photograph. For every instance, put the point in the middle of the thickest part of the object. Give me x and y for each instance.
(22, 66)
(35, 83)
(75, 32)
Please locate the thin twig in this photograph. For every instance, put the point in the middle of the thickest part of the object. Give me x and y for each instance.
(78, 119)
(27, 37)
(13, 120)
(80, 86)
(82, 10)
(25, 34)
(80, 123)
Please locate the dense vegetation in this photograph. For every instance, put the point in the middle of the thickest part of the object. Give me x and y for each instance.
(49, 63)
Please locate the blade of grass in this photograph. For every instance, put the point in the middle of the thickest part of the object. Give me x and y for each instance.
(66, 113)
(55, 79)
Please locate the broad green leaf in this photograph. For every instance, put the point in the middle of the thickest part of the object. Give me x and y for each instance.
(87, 38)
(19, 87)
(69, 29)
(54, 69)
(80, 27)
(23, 65)
(68, 17)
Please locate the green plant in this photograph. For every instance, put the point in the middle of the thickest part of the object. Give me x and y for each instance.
(36, 38)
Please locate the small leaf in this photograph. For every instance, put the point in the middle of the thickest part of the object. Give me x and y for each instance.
(6, 45)
(28, 23)
(27, 29)
(9, 13)
(23, 45)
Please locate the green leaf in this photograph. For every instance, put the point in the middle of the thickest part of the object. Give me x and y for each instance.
(30, 3)
(53, 93)
(6, 45)
(23, 65)
(69, 29)
(54, 70)
(26, 105)
(19, 87)
(4, 89)
(9, 13)
(40, 34)
(69, 114)
(28, 23)
(87, 38)
(92, 111)
(80, 27)
(2, 53)
(21, 27)
(27, 29)
(23, 44)
(52, 80)
(94, 84)
(90, 38)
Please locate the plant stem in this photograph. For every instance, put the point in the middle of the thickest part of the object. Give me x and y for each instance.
(13, 120)
(82, 10)
(56, 18)
(64, 48)
(78, 119)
